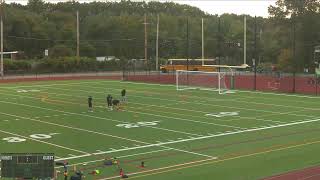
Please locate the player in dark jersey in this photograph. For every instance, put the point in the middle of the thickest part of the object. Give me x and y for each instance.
(109, 101)
(90, 103)
(123, 95)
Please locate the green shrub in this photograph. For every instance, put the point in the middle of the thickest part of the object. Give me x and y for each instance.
(17, 66)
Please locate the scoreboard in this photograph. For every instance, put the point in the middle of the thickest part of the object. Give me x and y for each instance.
(27, 166)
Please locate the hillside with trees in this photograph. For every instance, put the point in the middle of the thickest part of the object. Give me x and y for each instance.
(287, 38)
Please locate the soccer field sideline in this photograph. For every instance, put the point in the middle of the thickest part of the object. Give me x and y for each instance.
(99, 92)
(182, 109)
(168, 85)
(301, 108)
(240, 117)
(77, 83)
(107, 152)
(235, 127)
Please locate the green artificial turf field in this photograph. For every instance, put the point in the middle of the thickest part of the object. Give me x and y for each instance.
(180, 135)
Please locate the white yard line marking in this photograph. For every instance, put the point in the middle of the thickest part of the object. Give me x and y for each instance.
(183, 119)
(186, 102)
(73, 157)
(253, 118)
(279, 94)
(44, 142)
(167, 85)
(236, 100)
(211, 136)
(104, 134)
(271, 112)
(150, 145)
(74, 128)
(68, 113)
(203, 112)
(181, 132)
(256, 92)
(131, 155)
(43, 85)
(53, 134)
(190, 152)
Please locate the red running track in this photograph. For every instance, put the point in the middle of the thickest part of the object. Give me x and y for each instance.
(312, 173)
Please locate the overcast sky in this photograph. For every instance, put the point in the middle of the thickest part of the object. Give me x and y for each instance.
(251, 7)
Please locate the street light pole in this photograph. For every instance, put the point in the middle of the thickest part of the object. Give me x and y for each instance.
(202, 40)
(78, 38)
(219, 42)
(1, 24)
(294, 53)
(255, 53)
(145, 40)
(157, 45)
(317, 65)
(245, 40)
(187, 43)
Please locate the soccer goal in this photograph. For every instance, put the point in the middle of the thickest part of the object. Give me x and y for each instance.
(214, 81)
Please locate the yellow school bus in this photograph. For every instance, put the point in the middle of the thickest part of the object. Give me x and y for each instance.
(182, 64)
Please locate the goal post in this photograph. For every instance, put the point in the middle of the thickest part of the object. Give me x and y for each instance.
(202, 80)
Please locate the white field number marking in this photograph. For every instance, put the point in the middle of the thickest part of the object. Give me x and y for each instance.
(34, 136)
(138, 124)
(26, 91)
(13, 139)
(223, 114)
(40, 136)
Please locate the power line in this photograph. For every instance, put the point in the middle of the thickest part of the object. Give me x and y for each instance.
(58, 40)
(38, 39)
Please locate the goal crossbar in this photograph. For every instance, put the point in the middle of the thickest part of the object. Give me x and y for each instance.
(243, 66)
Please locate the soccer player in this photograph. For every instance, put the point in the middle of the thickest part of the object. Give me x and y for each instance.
(65, 174)
(90, 103)
(116, 104)
(122, 175)
(123, 95)
(116, 162)
(109, 101)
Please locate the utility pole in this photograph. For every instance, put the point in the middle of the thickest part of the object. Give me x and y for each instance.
(145, 40)
(219, 42)
(245, 41)
(1, 24)
(78, 38)
(202, 42)
(157, 45)
(187, 43)
(255, 53)
(294, 53)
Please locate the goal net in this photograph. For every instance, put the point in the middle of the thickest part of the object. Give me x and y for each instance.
(214, 81)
